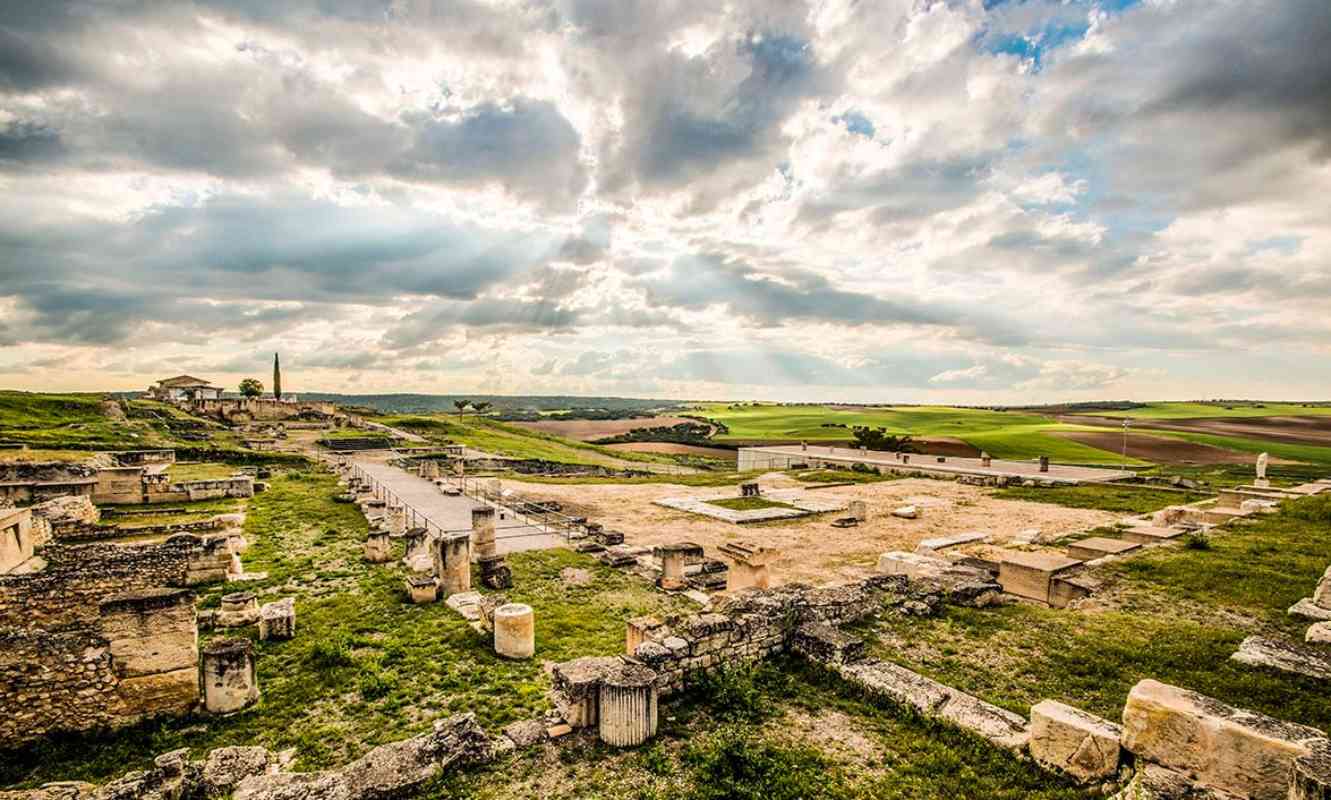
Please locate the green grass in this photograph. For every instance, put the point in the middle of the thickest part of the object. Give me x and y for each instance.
(1216, 410)
(492, 436)
(1123, 499)
(1003, 434)
(366, 666)
(705, 750)
(200, 471)
(747, 503)
(1179, 614)
(838, 476)
(1262, 567)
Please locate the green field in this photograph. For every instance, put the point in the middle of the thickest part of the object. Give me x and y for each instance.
(491, 436)
(1217, 411)
(1003, 434)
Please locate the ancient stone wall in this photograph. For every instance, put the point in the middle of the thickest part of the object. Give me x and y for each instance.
(67, 591)
(138, 657)
(17, 538)
(29, 482)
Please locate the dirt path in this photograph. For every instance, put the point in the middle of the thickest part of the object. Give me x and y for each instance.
(812, 550)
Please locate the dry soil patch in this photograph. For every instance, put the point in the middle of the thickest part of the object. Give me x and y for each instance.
(812, 550)
(1159, 449)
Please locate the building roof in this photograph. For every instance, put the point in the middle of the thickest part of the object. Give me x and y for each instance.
(184, 382)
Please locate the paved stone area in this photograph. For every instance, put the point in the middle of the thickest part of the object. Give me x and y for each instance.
(783, 456)
(802, 505)
(512, 534)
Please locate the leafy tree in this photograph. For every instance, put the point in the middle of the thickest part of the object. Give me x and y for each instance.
(880, 439)
(251, 387)
(481, 407)
(461, 406)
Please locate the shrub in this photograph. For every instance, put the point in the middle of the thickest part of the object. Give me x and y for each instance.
(735, 694)
(1197, 541)
(1312, 509)
(331, 652)
(375, 683)
(736, 765)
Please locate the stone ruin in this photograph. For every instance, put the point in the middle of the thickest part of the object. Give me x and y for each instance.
(1172, 743)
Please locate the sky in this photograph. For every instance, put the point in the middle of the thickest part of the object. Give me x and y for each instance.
(957, 201)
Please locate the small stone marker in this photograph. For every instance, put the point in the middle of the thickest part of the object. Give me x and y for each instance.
(858, 511)
(750, 567)
(378, 547)
(277, 620)
(229, 680)
(906, 512)
(238, 609)
(422, 589)
(515, 631)
(1261, 481)
(985, 460)
(1044, 463)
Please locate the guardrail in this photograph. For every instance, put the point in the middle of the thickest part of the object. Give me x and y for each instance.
(546, 523)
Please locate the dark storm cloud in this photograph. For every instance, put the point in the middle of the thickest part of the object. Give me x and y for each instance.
(491, 315)
(29, 142)
(264, 112)
(94, 282)
(1270, 59)
(528, 146)
(798, 295)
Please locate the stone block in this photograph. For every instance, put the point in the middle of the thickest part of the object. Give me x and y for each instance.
(422, 589)
(1318, 633)
(1258, 651)
(1148, 534)
(1099, 547)
(933, 699)
(228, 677)
(173, 692)
(277, 620)
(1311, 777)
(1071, 741)
(1031, 575)
(1238, 751)
(906, 512)
(931, 547)
(1307, 609)
(827, 645)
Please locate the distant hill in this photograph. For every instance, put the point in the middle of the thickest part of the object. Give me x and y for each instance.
(504, 405)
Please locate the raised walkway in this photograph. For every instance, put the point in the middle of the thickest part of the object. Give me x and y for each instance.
(441, 513)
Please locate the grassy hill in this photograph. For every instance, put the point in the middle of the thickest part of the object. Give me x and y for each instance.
(1004, 434)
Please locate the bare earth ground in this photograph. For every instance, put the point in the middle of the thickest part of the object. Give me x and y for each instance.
(812, 551)
(591, 429)
(1290, 430)
(671, 448)
(1162, 449)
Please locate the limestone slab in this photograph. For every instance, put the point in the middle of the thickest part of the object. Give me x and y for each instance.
(1307, 609)
(1147, 534)
(1099, 547)
(1069, 740)
(1243, 752)
(931, 546)
(1259, 651)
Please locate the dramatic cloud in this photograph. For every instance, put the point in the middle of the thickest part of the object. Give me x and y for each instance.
(972, 200)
